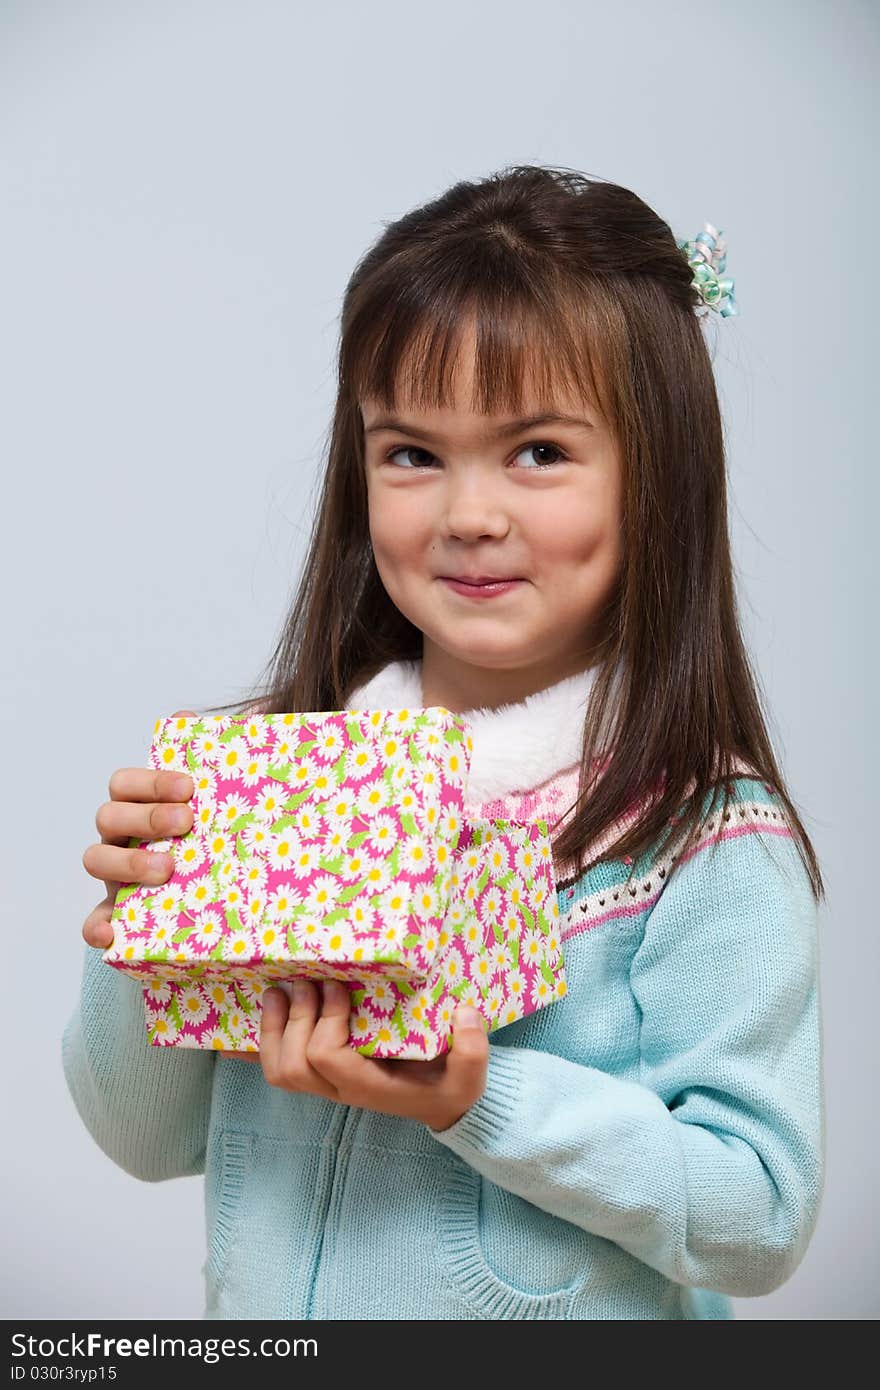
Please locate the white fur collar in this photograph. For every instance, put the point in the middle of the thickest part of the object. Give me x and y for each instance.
(516, 747)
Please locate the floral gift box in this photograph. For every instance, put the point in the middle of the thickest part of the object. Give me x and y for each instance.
(335, 845)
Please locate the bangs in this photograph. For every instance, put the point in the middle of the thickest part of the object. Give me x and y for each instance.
(534, 347)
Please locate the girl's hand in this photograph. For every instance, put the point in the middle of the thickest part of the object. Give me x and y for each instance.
(304, 1047)
(152, 806)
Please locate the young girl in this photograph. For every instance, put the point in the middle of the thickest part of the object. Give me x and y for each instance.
(525, 395)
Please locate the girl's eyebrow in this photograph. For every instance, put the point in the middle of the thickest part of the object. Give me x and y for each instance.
(391, 422)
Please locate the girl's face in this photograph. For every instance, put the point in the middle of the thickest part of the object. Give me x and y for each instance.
(453, 493)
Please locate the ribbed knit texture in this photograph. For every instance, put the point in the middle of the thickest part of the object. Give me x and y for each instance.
(645, 1148)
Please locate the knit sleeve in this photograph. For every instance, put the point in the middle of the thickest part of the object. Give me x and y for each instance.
(710, 1167)
(146, 1107)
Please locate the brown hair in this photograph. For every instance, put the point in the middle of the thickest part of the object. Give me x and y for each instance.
(572, 279)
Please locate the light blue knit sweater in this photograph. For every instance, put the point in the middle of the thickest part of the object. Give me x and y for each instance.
(645, 1148)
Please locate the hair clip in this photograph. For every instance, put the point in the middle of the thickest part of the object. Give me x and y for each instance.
(707, 257)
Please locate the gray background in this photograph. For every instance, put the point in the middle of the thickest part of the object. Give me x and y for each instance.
(185, 190)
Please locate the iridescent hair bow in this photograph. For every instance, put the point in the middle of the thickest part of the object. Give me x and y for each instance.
(707, 257)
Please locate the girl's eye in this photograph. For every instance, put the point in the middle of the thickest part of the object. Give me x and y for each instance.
(528, 448)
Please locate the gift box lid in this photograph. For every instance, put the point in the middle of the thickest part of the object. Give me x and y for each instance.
(319, 836)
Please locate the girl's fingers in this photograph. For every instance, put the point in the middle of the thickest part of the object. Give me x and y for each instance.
(97, 930)
(112, 864)
(144, 785)
(330, 1033)
(286, 1027)
(116, 821)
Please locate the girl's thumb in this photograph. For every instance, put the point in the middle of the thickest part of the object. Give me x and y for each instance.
(468, 1017)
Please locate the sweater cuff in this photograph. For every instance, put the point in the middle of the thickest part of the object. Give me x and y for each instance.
(495, 1109)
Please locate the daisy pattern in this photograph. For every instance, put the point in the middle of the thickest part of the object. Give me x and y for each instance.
(204, 815)
(198, 893)
(163, 1029)
(336, 947)
(381, 997)
(541, 993)
(238, 946)
(256, 837)
(532, 947)
(378, 877)
(443, 1017)
(189, 856)
(395, 901)
(305, 860)
(218, 845)
(515, 891)
(321, 894)
(500, 952)
(482, 969)
(340, 809)
(206, 745)
(193, 1006)
(216, 1040)
(510, 1010)
(450, 824)
(383, 835)
(391, 934)
(165, 902)
(415, 1014)
(269, 940)
(362, 761)
(254, 910)
(470, 995)
(515, 984)
(453, 765)
(385, 1036)
(493, 1002)
(393, 750)
(415, 857)
(337, 842)
(354, 866)
(236, 1024)
(281, 849)
(232, 899)
(268, 804)
(231, 807)
(373, 797)
(172, 757)
(253, 769)
(310, 929)
(308, 822)
(429, 743)
(209, 929)
(132, 914)
(220, 997)
(490, 906)
(452, 970)
(526, 861)
(231, 757)
(204, 785)
(281, 903)
(426, 905)
(363, 1023)
(329, 745)
(362, 917)
(403, 722)
(254, 876)
(158, 991)
(552, 945)
(323, 785)
(159, 938)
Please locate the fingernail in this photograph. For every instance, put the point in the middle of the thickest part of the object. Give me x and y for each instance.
(182, 787)
(467, 1017)
(300, 991)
